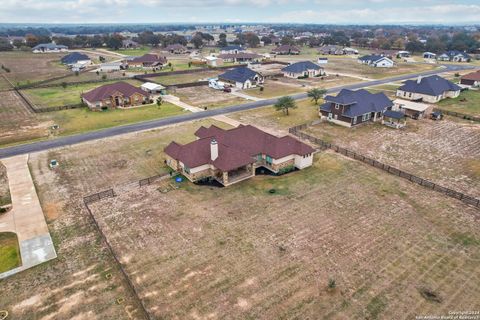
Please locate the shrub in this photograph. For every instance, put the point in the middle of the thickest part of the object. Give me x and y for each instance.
(77, 73)
(104, 77)
(286, 170)
(457, 74)
(332, 284)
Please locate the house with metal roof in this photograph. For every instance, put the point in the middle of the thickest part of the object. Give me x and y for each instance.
(231, 156)
(471, 79)
(350, 108)
(232, 49)
(49, 48)
(115, 95)
(242, 78)
(428, 89)
(376, 61)
(303, 69)
(76, 58)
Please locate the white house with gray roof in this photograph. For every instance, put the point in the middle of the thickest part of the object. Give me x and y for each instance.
(376, 61)
(49, 48)
(430, 89)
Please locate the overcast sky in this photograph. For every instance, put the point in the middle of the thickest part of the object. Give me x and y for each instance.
(295, 11)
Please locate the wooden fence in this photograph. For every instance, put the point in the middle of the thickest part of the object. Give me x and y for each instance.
(99, 196)
(149, 180)
(392, 170)
(458, 114)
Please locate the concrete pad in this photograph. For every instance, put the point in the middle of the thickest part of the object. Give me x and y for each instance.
(26, 217)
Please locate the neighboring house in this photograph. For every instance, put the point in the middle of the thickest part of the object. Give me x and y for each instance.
(240, 57)
(286, 49)
(230, 156)
(350, 51)
(242, 78)
(213, 61)
(115, 95)
(232, 49)
(350, 108)
(376, 61)
(414, 110)
(148, 61)
(332, 50)
(403, 54)
(113, 66)
(322, 60)
(302, 69)
(176, 48)
(130, 44)
(153, 88)
(472, 79)
(429, 89)
(49, 48)
(429, 55)
(76, 58)
(454, 56)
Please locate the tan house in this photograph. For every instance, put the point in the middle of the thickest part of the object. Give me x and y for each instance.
(303, 69)
(430, 89)
(148, 61)
(115, 95)
(230, 156)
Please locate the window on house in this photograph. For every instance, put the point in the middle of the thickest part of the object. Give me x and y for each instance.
(337, 106)
(269, 159)
(259, 157)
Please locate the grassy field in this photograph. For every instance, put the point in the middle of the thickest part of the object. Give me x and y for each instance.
(204, 96)
(273, 89)
(132, 52)
(468, 102)
(9, 251)
(268, 117)
(444, 152)
(27, 67)
(243, 253)
(185, 78)
(59, 96)
(83, 120)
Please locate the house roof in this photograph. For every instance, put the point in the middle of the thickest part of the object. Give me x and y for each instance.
(236, 147)
(286, 48)
(432, 86)
(472, 76)
(358, 102)
(453, 53)
(74, 57)
(149, 58)
(373, 58)
(302, 66)
(127, 42)
(106, 91)
(232, 47)
(241, 74)
(240, 55)
(394, 114)
(152, 86)
(51, 46)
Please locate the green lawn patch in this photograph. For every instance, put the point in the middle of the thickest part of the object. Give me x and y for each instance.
(59, 96)
(83, 120)
(468, 102)
(9, 251)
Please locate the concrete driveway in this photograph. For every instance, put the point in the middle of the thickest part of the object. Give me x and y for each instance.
(26, 217)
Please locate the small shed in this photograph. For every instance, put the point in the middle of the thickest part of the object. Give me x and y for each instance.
(394, 119)
(414, 110)
(153, 88)
(436, 115)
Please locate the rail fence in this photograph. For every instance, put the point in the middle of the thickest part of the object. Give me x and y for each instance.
(390, 169)
(48, 84)
(458, 114)
(149, 180)
(99, 196)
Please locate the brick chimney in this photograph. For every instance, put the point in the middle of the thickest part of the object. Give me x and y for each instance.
(213, 149)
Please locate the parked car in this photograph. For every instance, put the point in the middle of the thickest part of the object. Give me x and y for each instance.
(227, 89)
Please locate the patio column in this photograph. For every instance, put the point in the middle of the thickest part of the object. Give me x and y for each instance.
(225, 177)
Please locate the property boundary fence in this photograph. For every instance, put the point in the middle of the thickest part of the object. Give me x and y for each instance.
(96, 197)
(458, 114)
(73, 83)
(149, 180)
(390, 169)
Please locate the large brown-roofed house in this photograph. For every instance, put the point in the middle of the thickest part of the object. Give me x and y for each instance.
(241, 57)
(111, 96)
(230, 156)
(149, 60)
(472, 79)
(286, 49)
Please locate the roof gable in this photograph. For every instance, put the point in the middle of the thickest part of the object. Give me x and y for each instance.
(108, 90)
(240, 74)
(302, 66)
(432, 86)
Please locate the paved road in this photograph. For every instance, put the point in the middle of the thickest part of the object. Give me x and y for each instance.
(70, 140)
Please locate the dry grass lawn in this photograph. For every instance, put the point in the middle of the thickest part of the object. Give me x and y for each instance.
(243, 253)
(275, 88)
(446, 152)
(4, 188)
(204, 96)
(185, 78)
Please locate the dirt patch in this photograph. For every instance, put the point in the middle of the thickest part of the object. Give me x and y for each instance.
(444, 152)
(207, 97)
(241, 252)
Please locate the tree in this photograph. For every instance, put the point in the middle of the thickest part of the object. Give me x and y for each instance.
(414, 46)
(114, 41)
(284, 104)
(197, 41)
(288, 40)
(316, 94)
(31, 40)
(266, 40)
(159, 101)
(222, 42)
(252, 39)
